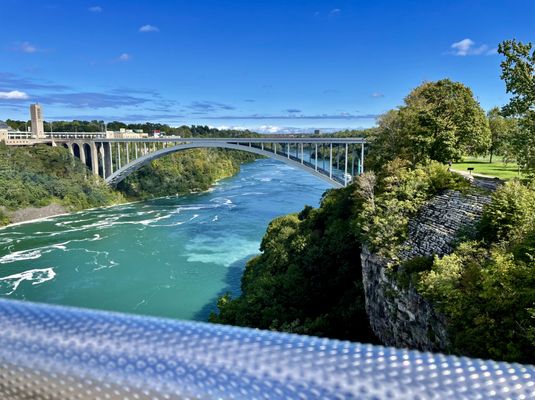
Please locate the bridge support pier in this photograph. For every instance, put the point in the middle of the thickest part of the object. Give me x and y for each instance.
(71, 150)
(353, 161)
(118, 162)
(331, 161)
(94, 158)
(345, 172)
(108, 160)
(82, 153)
(361, 159)
(101, 161)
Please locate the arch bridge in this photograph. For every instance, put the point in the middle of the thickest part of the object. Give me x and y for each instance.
(335, 160)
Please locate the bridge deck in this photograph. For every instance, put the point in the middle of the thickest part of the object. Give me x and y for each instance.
(170, 139)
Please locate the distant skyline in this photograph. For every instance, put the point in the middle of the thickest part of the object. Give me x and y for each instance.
(270, 66)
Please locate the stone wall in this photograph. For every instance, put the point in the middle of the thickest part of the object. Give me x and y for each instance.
(436, 226)
(398, 315)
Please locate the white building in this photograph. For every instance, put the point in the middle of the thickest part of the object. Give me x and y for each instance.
(126, 134)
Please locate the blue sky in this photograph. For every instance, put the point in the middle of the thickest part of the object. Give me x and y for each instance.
(266, 65)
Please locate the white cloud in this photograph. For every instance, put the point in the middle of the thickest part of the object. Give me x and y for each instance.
(335, 11)
(25, 47)
(269, 129)
(124, 57)
(149, 28)
(14, 95)
(377, 95)
(95, 9)
(467, 47)
(233, 127)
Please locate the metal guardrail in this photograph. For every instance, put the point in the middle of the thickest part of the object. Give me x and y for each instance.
(52, 352)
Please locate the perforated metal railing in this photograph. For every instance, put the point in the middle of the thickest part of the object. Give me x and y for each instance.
(51, 352)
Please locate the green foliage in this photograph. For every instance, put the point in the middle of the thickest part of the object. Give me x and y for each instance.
(4, 218)
(487, 289)
(511, 214)
(523, 144)
(487, 296)
(439, 121)
(518, 73)
(308, 278)
(502, 131)
(181, 172)
(37, 176)
(407, 274)
(393, 197)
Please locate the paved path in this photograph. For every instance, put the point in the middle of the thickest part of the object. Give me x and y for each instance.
(483, 181)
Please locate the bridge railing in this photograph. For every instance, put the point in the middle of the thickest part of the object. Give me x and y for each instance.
(52, 352)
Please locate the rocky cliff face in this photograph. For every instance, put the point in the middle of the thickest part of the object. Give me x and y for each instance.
(398, 315)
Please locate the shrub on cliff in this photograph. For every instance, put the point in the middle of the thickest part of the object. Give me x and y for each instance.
(486, 289)
(392, 197)
(511, 214)
(487, 296)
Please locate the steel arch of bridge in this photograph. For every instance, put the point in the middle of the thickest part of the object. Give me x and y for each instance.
(280, 150)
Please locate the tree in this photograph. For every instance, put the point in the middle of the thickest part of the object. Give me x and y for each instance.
(439, 121)
(501, 131)
(518, 73)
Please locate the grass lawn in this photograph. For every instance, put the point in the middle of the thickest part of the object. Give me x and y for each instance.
(482, 166)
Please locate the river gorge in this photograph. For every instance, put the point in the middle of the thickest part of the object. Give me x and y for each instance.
(170, 257)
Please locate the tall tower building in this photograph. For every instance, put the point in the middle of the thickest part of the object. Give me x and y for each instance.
(36, 114)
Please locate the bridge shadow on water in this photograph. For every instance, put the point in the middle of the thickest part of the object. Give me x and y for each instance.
(232, 285)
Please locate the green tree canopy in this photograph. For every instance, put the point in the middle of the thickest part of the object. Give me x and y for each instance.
(439, 121)
(518, 73)
(502, 131)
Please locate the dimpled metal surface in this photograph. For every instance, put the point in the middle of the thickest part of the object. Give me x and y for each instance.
(51, 352)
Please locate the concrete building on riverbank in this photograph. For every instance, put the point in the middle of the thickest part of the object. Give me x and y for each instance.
(4, 129)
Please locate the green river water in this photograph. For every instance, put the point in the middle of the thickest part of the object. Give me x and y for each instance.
(169, 257)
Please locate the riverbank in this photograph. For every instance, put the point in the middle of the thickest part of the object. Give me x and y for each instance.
(36, 214)
(42, 181)
(30, 214)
